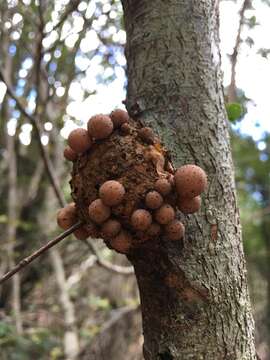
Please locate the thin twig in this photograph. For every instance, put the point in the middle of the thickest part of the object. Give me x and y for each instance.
(43, 152)
(234, 56)
(123, 270)
(26, 261)
(72, 6)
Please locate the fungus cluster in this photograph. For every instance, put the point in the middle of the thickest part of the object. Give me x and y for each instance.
(125, 189)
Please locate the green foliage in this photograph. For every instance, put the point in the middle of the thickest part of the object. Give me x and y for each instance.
(33, 345)
(252, 165)
(234, 111)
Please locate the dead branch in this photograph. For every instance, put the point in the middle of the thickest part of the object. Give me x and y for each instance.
(26, 261)
(123, 270)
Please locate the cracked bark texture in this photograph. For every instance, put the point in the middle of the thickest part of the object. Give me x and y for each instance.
(194, 295)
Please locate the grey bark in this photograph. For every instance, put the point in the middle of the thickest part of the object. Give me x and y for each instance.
(194, 295)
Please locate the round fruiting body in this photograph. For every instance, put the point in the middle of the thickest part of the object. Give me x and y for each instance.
(190, 181)
(154, 229)
(98, 211)
(175, 230)
(189, 206)
(82, 233)
(100, 126)
(70, 154)
(141, 219)
(110, 228)
(79, 140)
(163, 186)
(153, 200)
(125, 129)
(92, 229)
(165, 214)
(122, 242)
(112, 193)
(147, 134)
(119, 117)
(66, 217)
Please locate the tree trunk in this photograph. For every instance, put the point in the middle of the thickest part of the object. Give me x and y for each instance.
(12, 230)
(12, 202)
(194, 296)
(71, 341)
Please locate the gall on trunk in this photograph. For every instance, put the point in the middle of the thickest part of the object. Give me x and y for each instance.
(124, 187)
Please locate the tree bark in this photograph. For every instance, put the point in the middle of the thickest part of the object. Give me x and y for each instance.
(194, 296)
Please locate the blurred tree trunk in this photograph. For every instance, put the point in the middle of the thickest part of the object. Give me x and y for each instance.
(71, 337)
(12, 229)
(12, 199)
(194, 296)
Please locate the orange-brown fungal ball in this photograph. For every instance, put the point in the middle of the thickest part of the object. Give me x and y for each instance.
(175, 230)
(190, 181)
(110, 228)
(163, 186)
(153, 200)
(92, 229)
(82, 233)
(79, 140)
(100, 126)
(66, 217)
(125, 129)
(98, 211)
(189, 206)
(112, 193)
(147, 134)
(119, 117)
(122, 242)
(141, 219)
(154, 230)
(70, 154)
(165, 214)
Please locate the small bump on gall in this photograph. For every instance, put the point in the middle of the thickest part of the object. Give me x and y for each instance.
(119, 117)
(100, 126)
(70, 154)
(154, 230)
(153, 200)
(125, 129)
(82, 233)
(165, 214)
(175, 230)
(163, 186)
(110, 228)
(147, 134)
(190, 181)
(122, 242)
(79, 140)
(66, 217)
(189, 206)
(141, 219)
(98, 211)
(112, 193)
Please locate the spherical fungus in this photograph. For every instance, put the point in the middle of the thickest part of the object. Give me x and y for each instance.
(190, 181)
(79, 140)
(100, 126)
(112, 192)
